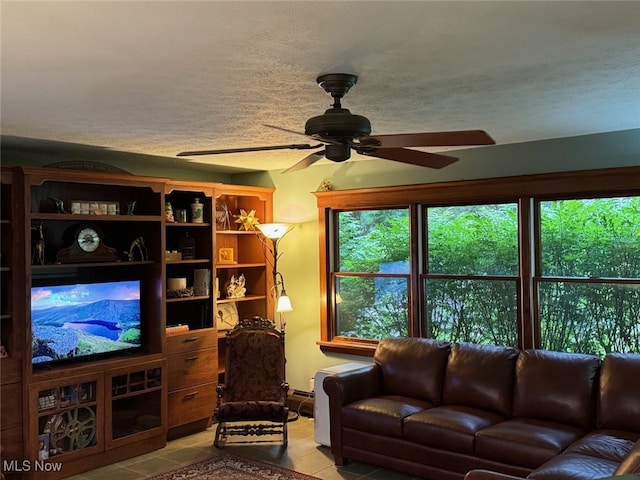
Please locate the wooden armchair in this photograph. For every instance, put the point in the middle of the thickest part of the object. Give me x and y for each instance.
(254, 389)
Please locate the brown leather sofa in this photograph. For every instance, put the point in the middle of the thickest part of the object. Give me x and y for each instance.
(438, 410)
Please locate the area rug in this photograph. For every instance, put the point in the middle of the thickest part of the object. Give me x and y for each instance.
(230, 467)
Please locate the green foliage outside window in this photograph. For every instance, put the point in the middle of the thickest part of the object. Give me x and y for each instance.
(588, 287)
(476, 241)
(594, 240)
(373, 241)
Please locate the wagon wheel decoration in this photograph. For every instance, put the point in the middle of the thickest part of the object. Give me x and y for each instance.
(74, 429)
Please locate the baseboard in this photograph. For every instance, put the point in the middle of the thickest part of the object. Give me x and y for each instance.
(301, 402)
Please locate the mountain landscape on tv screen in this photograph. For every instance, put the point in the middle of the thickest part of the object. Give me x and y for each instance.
(68, 331)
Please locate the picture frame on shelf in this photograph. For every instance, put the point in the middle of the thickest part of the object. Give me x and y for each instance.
(43, 446)
(227, 316)
(226, 256)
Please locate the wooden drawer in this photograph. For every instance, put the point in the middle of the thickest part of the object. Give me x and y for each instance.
(11, 411)
(191, 404)
(10, 370)
(193, 368)
(193, 340)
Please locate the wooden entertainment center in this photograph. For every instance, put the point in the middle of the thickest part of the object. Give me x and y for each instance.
(68, 227)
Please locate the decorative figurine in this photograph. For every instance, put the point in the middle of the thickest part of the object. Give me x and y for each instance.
(234, 287)
(38, 249)
(325, 185)
(59, 204)
(247, 221)
(168, 213)
(131, 207)
(138, 246)
(222, 215)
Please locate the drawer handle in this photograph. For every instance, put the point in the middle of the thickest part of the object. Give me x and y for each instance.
(187, 396)
(191, 339)
(191, 359)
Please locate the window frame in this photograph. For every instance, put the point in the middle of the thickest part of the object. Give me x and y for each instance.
(525, 190)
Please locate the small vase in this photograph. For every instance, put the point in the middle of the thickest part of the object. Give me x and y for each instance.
(197, 211)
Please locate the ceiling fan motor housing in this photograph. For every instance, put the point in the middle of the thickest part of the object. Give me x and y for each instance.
(338, 122)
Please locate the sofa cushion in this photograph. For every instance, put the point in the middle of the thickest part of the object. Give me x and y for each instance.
(413, 367)
(574, 466)
(557, 386)
(525, 442)
(612, 445)
(448, 427)
(619, 401)
(383, 415)
(480, 376)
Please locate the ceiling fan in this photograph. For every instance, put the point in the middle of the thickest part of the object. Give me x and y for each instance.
(340, 131)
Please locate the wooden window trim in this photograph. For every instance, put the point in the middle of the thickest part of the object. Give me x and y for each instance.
(522, 189)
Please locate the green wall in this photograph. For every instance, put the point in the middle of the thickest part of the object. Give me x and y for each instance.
(294, 203)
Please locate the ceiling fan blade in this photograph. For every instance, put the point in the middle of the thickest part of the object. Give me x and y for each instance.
(430, 139)
(306, 161)
(294, 146)
(414, 157)
(284, 129)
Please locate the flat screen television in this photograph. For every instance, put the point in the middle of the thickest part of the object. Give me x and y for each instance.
(71, 322)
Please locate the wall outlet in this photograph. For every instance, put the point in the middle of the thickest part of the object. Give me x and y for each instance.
(311, 381)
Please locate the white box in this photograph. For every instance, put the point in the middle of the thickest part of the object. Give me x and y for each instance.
(321, 429)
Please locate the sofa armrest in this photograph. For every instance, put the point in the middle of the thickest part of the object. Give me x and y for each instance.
(479, 474)
(347, 387)
(631, 462)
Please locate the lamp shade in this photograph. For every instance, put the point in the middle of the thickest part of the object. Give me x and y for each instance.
(274, 231)
(284, 303)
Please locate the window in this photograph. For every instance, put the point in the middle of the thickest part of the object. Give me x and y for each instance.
(540, 261)
(589, 295)
(371, 279)
(471, 284)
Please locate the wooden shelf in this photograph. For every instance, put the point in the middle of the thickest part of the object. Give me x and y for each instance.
(188, 299)
(190, 261)
(187, 224)
(61, 266)
(246, 298)
(95, 218)
(240, 265)
(236, 232)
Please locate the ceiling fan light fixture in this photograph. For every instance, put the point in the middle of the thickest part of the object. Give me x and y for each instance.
(338, 152)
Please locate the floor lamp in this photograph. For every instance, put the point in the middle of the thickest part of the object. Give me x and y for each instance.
(274, 232)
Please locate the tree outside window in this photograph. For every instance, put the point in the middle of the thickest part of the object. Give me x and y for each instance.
(589, 288)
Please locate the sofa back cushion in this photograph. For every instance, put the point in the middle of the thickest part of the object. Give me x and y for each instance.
(619, 401)
(413, 367)
(481, 376)
(557, 386)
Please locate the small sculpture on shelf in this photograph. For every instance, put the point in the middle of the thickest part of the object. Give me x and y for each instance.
(59, 205)
(168, 213)
(37, 258)
(131, 206)
(223, 221)
(138, 246)
(234, 287)
(247, 221)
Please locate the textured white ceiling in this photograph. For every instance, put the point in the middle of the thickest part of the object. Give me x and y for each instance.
(162, 77)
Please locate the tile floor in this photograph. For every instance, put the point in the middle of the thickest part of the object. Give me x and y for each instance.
(303, 455)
